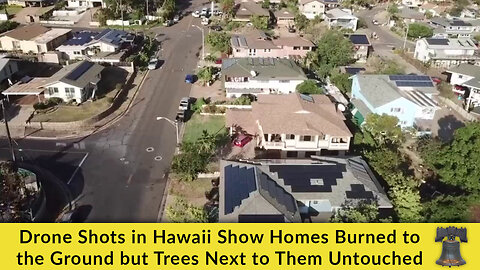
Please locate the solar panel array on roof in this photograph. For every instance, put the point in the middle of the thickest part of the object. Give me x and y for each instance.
(242, 41)
(307, 98)
(358, 170)
(277, 193)
(353, 70)
(358, 192)
(460, 23)
(420, 98)
(437, 41)
(79, 71)
(359, 39)
(299, 176)
(414, 84)
(239, 182)
(409, 78)
(80, 38)
(261, 219)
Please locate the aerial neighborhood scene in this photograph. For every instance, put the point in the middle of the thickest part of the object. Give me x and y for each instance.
(240, 111)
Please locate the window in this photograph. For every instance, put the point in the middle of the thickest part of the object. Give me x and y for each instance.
(395, 110)
(16, 44)
(306, 48)
(306, 138)
(69, 92)
(460, 76)
(309, 154)
(76, 53)
(237, 50)
(267, 50)
(335, 140)
(292, 154)
(296, 48)
(284, 81)
(290, 136)
(52, 91)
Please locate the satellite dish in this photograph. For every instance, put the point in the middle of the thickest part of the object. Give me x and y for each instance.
(253, 73)
(341, 107)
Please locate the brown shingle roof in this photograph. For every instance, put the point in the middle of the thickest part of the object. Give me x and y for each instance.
(291, 114)
(292, 41)
(27, 32)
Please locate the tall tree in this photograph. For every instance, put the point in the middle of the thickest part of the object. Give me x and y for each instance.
(228, 7)
(309, 87)
(416, 30)
(363, 212)
(382, 130)
(333, 50)
(458, 162)
(219, 41)
(405, 197)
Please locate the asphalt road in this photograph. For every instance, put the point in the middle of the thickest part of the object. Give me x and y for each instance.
(386, 39)
(120, 173)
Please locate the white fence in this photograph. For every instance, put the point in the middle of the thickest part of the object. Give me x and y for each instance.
(58, 22)
(3, 17)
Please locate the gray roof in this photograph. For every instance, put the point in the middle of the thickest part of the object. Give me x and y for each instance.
(265, 68)
(380, 90)
(79, 74)
(361, 106)
(332, 180)
(466, 69)
(4, 62)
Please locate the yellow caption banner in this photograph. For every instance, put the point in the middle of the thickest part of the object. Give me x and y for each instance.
(229, 246)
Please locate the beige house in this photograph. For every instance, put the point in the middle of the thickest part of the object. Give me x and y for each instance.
(293, 125)
(284, 17)
(245, 10)
(313, 8)
(33, 38)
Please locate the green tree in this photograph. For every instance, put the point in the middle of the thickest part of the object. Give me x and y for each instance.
(228, 7)
(15, 198)
(417, 30)
(266, 4)
(448, 208)
(333, 50)
(309, 87)
(183, 212)
(457, 162)
(301, 21)
(363, 212)
(205, 74)
(393, 9)
(383, 129)
(219, 41)
(259, 22)
(456, 11)
(342, 81)
(384, 161)
(477, 37)
(405, 197)
(168, 9)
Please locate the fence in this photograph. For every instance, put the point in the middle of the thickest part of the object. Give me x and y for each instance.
(458, 109)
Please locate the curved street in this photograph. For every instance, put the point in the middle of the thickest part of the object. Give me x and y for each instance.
(112, 172)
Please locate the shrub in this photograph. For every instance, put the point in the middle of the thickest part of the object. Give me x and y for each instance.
(197, 106)
(54, 101)
(40, 106)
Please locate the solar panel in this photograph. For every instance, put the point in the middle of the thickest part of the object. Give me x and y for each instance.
(409, 78)
(26, 79)
(277, 193)
(306, 98)
(79, 71)
(437, 41)
(359, 39)
(358, 192)
(414, 83)
(239, 182)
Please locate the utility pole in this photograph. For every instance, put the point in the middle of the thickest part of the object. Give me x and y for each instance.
(121, 10)
(406, 35)
(147, 10)
(5, 118)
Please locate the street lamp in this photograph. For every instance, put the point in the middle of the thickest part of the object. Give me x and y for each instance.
(174, 123)
(406, 35)
(203, 40)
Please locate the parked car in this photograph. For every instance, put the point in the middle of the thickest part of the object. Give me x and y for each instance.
(205, 21)
(205, 12)
(180, 116)
(291, 29)
(241, 140)
(436, 80)
(176, 18)
(216, 28)
(375, 22)
(190, 78)
(168, 23)
(153, 63)
(184, 104)
(196, 14)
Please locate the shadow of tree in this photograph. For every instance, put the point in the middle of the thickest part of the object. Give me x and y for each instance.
(447, 126)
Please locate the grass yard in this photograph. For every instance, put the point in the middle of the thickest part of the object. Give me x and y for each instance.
(73, 113)
(11, 9)
(198, 123)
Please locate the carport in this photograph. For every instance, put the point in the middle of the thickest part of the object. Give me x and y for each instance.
(26, 87)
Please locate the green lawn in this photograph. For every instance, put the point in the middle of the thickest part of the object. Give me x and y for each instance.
(73, 113)
(198, 123)
(12, 9)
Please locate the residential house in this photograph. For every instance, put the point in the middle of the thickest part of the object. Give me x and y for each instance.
(465, 79)
(342, 18)
(410, 15)
(28, 3)
(434, 9)
(86, 3)
(408, 97)
(258, 44)
(77, 82)
(412, 3)
(256, 76)
(269, 191)
(443, 53)
(284, 17)
(361, 46)
(313, 8)
(468, 12)
(455, 28)
(33, 38)
(244, 11)
(293, 125)
(105, 46)
(8, 67)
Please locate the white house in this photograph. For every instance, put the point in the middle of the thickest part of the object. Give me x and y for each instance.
(412, 3)
(76, 82)
(452, 28)
(258, 76)
(443, 52)
(86, 3)
(465, 79)
(342, 18)
(311, 8)
(293, 125)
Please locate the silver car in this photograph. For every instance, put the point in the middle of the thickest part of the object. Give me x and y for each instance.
(153, 64)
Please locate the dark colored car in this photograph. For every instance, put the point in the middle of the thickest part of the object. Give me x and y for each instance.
(180, 116)
(291, 30)
(190, 78)
(216, 28)
(242, 140)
